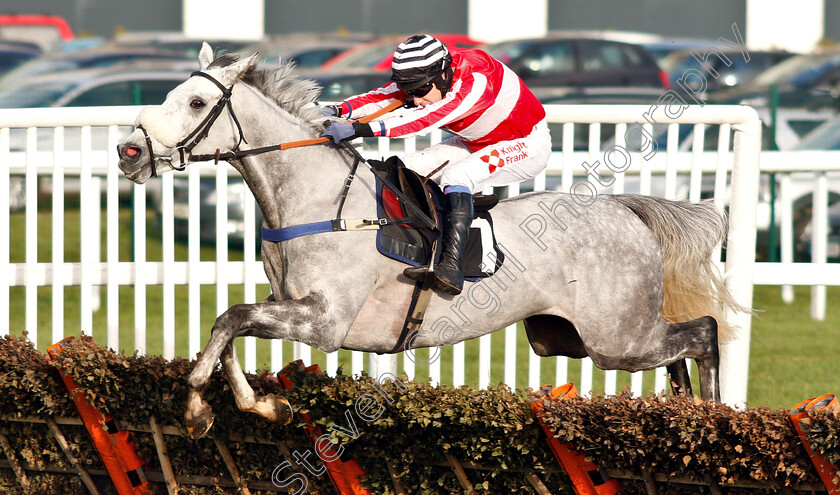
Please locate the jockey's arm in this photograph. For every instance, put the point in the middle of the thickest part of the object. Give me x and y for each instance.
(365, 104)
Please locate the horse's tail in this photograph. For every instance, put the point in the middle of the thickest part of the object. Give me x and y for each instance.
(688, 233)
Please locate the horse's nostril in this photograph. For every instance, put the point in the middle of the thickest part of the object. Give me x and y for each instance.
(132, 151)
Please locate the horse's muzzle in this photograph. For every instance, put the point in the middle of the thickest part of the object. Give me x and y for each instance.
(132, 162)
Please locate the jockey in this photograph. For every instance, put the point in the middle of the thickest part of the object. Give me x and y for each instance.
(500, 133)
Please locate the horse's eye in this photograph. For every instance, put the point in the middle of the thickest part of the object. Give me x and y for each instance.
(197, 104)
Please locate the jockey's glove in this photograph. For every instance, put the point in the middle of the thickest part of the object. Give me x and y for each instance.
(339, 131)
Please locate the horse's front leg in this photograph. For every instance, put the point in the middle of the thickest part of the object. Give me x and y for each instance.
(309, 320)
(272, 408)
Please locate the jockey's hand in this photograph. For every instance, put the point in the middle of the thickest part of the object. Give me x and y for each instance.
(339, 131)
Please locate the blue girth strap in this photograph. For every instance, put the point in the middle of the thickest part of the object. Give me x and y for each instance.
(336, 225)
(284, 234)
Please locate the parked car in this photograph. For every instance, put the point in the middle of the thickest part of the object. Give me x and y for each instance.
(810, 81)
(88, 59)
(15, 53)
(378, 54)
(731, 68)
(579, 62)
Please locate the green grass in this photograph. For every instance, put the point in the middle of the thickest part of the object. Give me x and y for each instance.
(792, 357)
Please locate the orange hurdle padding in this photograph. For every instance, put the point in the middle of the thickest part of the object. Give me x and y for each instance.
(124, 466)
(346, 476)
(587, 477)
(802, 411)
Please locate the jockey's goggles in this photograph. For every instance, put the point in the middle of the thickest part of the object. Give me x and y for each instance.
(419, 91)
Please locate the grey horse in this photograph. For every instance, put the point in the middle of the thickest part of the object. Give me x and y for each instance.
(627, 280)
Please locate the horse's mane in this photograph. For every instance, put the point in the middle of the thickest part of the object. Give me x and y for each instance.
(294, 94)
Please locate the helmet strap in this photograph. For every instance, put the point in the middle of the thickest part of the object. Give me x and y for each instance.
(445, 83)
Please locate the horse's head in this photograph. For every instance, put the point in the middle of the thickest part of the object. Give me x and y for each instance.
(196, 118)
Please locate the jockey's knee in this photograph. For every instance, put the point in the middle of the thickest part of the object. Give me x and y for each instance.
(456, 176)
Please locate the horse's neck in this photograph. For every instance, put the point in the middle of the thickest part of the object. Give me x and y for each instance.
(297, 185)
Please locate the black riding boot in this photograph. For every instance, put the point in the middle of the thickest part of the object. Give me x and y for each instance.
(448, 276)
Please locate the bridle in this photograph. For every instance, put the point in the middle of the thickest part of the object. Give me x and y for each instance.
(186, 145)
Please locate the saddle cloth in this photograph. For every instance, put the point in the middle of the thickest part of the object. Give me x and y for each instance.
(412, 244)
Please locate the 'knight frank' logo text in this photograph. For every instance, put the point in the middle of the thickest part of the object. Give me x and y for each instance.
(509, 154)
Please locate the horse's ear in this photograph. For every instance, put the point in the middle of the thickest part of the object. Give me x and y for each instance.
(235, 71)
(205, 56)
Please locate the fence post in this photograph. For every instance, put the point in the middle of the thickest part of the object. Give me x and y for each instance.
(740, 259)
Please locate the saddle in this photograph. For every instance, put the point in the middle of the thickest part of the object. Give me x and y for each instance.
(412, 242)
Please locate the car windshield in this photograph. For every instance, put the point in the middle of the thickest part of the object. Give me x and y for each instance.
(824, 137)
(800, 71)
(38, 94)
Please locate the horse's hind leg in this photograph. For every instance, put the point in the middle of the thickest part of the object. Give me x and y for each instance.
(273, 408)
(709, 363)
(698, 339)
(670, 344)
(680, 381)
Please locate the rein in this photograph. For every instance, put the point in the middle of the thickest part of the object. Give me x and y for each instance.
(235, 155)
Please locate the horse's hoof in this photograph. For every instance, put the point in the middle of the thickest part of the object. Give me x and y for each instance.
(201, 424)
(283, 412)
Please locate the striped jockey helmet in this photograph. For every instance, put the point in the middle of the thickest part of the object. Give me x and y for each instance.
(418, 60)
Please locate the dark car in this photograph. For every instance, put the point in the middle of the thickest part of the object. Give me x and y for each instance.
(579, 62)
(13, 54)
(723, 68)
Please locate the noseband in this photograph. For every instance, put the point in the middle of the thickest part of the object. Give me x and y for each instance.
(186, 145)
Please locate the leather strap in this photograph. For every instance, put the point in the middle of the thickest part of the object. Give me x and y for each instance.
(420, 298)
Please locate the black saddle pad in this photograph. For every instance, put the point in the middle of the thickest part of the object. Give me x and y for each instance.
(412, 243)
